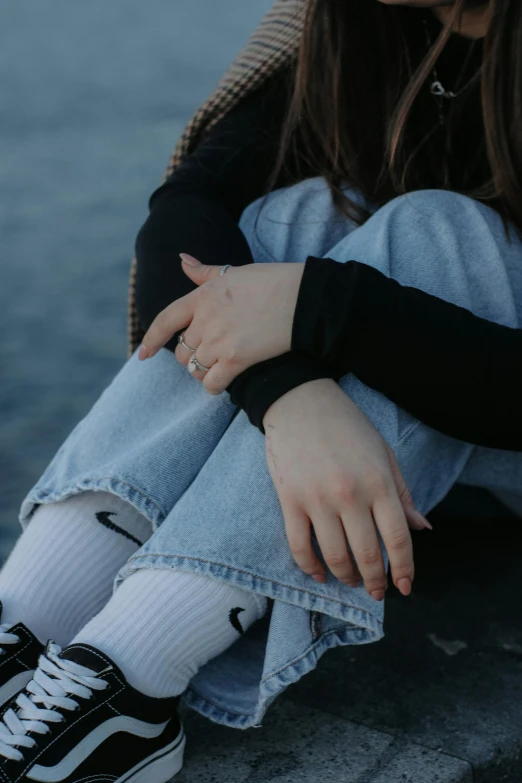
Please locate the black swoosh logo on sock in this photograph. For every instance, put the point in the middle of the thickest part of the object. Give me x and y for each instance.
(103, 518)
(233, 617)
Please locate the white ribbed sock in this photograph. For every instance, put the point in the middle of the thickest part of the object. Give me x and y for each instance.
(161, 626)
(62, 569)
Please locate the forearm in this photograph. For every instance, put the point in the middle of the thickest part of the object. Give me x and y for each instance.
(456, 372)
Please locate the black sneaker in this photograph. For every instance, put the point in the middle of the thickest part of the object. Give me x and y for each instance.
(79, 720)
(19, 653)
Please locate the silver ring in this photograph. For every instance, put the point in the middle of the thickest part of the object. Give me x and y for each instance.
(224, 268)
(194, 365)
(182, 342)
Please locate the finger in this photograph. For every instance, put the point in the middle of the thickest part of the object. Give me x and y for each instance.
(331, 538)
(196, 373)
(199, 273)
(183, 355)
(362, 537)
(391, 522)
(199, 375)
(298, 532)
(192, 337)
(171, 320)
(218, 378)
(415, 519)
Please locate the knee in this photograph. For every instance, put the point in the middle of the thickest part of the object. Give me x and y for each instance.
(437, 230)
(293, 222)
(433, 210)
(430, 239)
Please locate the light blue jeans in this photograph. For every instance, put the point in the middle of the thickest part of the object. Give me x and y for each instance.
(157, 439)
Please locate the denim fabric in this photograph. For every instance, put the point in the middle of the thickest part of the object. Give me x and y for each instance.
(199, 473)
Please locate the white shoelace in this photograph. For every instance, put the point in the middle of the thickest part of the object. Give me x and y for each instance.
(53, 681)
(7, 638)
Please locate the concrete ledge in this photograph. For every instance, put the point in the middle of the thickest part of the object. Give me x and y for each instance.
(305, 745)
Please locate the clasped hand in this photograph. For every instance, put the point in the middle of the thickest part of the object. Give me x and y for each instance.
(333, 472)
(231, 321)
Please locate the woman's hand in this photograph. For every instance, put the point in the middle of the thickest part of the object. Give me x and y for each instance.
(232, 321)
(333, 470)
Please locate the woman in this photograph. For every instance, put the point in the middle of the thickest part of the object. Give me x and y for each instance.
(379, 148)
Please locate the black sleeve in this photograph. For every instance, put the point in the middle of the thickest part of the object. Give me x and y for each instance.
(456, 372)
(197, 211)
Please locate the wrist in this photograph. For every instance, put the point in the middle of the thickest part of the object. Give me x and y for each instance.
(279, 409)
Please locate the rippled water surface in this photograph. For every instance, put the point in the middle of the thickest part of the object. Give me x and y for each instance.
(94, 96)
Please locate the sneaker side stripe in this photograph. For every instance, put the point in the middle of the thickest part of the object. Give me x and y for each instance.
(90, 742)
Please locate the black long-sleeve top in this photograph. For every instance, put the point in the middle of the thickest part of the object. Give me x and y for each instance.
(458, 373)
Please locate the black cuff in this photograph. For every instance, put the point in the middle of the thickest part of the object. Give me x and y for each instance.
(324, 319)
(257, 388)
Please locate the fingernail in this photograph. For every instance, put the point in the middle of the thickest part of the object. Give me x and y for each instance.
(378, 595)
(144, 352)
(404, 585)
(190, 260)
(319, 578)
(422, 520)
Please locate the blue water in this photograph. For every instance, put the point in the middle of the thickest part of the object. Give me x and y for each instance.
(94, 95)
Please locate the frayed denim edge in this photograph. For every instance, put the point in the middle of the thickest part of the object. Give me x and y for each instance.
(361, 628)
(273, 685)
(271, 588)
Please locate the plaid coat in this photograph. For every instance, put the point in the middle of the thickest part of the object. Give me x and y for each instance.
(272, 46)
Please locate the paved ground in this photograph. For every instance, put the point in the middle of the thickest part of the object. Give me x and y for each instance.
(93, 97)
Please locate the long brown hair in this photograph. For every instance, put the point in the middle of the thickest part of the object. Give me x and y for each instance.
(353, 91)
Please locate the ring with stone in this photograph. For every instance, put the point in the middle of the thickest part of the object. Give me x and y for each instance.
(194, 365)
(181, 341)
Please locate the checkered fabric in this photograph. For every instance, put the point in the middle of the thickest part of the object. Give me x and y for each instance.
(272, 46)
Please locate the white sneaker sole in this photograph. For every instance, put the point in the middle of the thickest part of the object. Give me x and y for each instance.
(160, 767)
